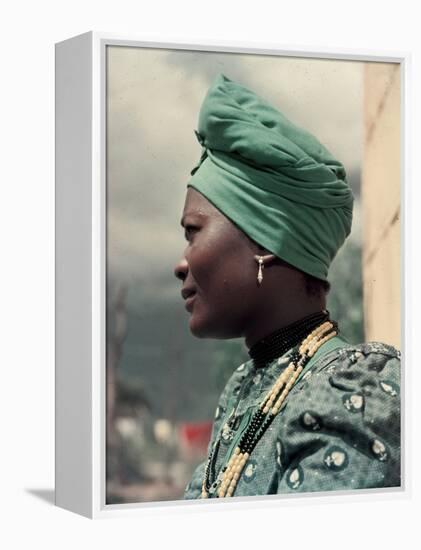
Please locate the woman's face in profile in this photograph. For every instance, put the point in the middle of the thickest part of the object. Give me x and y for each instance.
(218, 271)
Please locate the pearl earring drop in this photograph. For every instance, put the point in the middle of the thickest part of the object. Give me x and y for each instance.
(260, 272)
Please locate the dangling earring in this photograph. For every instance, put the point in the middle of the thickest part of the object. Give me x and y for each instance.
(260, 272)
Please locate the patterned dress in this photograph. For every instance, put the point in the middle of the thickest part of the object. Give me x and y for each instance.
(338, 429)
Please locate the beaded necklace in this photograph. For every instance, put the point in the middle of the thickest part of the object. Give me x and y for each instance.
(266, 412)
(279, 342)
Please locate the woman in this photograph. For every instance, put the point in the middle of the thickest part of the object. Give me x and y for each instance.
(266, 210)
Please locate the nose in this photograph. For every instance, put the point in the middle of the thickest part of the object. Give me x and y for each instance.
(181, 269)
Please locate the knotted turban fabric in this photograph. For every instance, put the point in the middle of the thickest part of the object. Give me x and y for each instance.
(274, 180)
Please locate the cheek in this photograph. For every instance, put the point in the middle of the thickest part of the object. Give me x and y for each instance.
(225, 294)
(203, 260)
(223, 269)
(226, 284)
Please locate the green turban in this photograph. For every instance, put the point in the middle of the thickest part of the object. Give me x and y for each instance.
(275, 181)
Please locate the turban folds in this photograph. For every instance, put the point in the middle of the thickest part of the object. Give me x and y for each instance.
(275, 181)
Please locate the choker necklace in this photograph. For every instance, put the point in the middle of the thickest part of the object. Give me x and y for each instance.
(269, 407)
(278, 343)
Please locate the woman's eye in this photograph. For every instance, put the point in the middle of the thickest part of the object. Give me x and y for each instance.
(188, 230)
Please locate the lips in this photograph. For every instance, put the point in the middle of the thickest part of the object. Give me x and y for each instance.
(189, 295)
(189, 302)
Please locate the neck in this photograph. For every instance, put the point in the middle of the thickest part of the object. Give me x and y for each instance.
(279, 342)
(268, 324)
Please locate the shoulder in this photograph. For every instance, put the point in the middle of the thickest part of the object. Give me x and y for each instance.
(353, 391)
(371, 354)
(356, 362)
(346, 408)
(356, 375)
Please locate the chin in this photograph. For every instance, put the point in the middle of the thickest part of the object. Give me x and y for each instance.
(202, 328)
(199, 328)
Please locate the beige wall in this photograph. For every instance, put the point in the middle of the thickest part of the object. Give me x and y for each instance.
(381, 203)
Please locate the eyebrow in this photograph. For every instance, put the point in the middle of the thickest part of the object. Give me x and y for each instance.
(199, 214)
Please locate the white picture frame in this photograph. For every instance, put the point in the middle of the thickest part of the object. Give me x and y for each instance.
(81, 269)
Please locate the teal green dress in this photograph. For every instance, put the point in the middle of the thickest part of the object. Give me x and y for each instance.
(338, 429)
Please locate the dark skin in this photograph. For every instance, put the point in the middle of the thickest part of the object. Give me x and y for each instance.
(219, 270)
